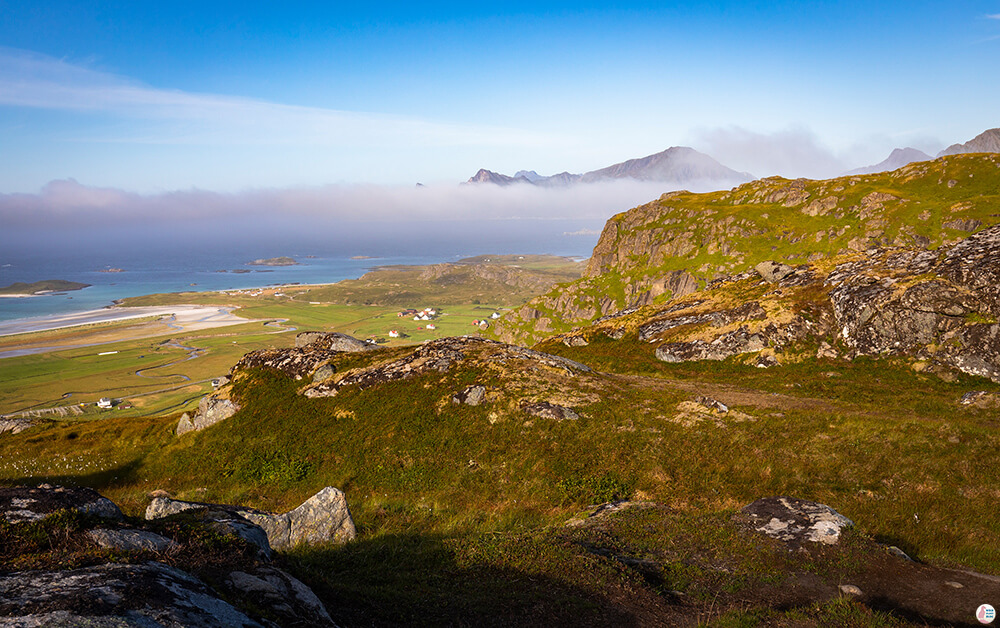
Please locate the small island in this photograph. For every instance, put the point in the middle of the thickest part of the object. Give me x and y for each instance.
(21, 289)
(274, 261)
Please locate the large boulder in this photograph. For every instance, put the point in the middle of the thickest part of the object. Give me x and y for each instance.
(113, 595)
(211, 410)
(22, 504)
(796, 521)
(284, 595)
(332, 341)
(321, 518)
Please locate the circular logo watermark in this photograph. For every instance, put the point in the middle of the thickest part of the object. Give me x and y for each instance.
(986, 614)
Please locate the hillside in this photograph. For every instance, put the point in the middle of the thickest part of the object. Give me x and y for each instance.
(676, 244)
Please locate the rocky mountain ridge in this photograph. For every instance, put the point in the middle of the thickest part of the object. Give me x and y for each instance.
(678, 164)
(986, 142)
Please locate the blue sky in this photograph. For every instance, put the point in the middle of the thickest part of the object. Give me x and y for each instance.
(153, 97)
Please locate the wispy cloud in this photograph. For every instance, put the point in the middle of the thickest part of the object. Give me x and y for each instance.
(792, 152)
(995, 16)
(33, 80)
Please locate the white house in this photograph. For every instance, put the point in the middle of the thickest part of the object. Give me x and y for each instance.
(104, 403)
(393, 333)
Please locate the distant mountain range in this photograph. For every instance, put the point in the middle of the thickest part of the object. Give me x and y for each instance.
(896, 159)
(683, 165)
(678, 164)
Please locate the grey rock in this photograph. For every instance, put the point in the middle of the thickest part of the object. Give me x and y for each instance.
(212, 409)
(773, 272)
(471, 395)
(850, 589)
(324, 517)
(898, 553)
(712, 404)
(324, 372)
(575, 341)
(766, 362)
(15, 426)
(286, 597)
(751, 311)
(980, 399)
(826, 351)
(332, 341)
(145, 596)
(23, 504)
(725, 346)
(546, 410)
(130, 540)
(796, 521)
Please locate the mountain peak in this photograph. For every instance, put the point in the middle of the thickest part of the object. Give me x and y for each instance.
(898, 158)
(986, 142)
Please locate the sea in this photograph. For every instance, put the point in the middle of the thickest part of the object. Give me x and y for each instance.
(149, 263)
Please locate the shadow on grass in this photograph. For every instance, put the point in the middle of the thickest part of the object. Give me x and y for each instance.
(123, 475)
(415, 580)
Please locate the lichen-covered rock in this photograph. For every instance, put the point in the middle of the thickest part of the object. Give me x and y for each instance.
(725, 346)
(21, 504)
(470, 395)
(546, 410)
(773, 272)
(116, 595)
(292, 602)
(130, 540)
(747, 312)
(296, 362)
(796, 521)
(15, 426)
(332, 341)
(323, 517)
(212, 409)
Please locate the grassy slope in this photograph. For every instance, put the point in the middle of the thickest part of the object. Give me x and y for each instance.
(728, 232)
(457, 498)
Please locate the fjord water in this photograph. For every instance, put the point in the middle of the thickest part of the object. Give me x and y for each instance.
(155, 261)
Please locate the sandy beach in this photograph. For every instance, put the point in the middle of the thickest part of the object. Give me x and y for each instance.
(185, 317)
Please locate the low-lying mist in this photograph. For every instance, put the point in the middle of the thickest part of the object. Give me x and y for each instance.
(69, 219)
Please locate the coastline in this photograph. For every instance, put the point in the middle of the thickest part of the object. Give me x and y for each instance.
(207, 315)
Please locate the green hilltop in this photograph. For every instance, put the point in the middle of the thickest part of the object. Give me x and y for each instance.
(676, 244)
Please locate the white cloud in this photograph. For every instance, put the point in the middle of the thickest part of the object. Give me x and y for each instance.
(33, 80)
(995, 16)
(794, 152)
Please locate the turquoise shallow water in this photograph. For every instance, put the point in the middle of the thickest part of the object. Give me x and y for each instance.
(173, 262)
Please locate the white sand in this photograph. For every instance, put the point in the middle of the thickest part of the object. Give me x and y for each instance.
(186, 317)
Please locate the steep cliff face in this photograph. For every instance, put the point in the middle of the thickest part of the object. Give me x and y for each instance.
(676, 244)
(939, 308)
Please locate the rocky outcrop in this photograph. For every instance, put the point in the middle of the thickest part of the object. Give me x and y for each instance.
(211, 410)
(296, 362)
(22, 504)
(747, 312)
(324, 517)
(332, 341)
(440, 356)
(153, 594)
(15, 426)
(795, 521)
(724, 346)
(140, 591)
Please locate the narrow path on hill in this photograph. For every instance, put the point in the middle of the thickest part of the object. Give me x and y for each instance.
(733, 395)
